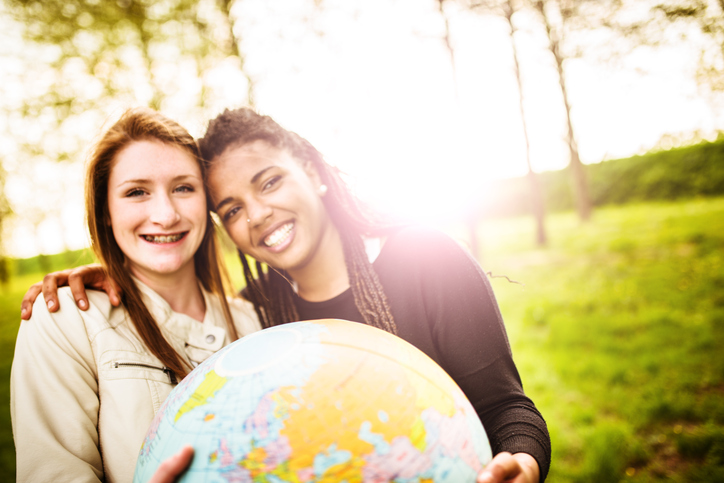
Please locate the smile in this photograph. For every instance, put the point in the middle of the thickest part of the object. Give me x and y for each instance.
(279, 235)
(161, 239)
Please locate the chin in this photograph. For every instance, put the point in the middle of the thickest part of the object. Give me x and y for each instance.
(169, 267)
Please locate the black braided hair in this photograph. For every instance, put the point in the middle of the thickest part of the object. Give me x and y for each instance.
(271, 291)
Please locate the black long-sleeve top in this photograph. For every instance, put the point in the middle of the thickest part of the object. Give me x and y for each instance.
(443, 304)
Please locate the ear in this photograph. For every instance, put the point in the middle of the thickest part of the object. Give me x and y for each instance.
(312, 172)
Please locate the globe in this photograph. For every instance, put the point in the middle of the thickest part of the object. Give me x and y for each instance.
(319, 401)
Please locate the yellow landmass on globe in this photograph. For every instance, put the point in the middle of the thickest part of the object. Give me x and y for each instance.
(348, 472)
(254, 461)
(212, 382)
(330, 402)
(441, 400)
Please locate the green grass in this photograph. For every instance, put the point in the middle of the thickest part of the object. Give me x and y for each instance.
(617, 332)
(24, 273)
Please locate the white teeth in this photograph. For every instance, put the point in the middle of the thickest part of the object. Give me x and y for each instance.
(163, 238)
(279, 235)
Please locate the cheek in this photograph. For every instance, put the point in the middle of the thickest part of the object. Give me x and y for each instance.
(238, 234)
(122, 219)
(199, 212)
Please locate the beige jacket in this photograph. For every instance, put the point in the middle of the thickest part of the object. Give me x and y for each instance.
(84, 388)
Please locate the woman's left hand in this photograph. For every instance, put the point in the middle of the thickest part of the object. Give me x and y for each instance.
(510, 468)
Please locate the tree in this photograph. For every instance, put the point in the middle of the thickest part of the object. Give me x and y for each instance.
(4, 212)
(233, 47)
(472, 222)
(506, 9)
(578, 177)
(85, 60)
(536, 194)
(708, 16)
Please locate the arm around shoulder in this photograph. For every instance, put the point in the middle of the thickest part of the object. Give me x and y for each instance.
(54, 397)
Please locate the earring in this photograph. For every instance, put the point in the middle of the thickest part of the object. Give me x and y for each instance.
(248, 220)
(322, 190)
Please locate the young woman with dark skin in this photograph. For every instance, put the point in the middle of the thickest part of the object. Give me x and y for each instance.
(283, 205)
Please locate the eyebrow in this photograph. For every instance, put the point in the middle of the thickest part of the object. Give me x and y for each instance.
(145, 180)
(254, 179)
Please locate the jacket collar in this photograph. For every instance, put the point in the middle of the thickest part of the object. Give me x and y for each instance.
(210, 334)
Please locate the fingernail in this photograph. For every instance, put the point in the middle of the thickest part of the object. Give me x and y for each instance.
(23, 310)
(81, 304)
(51, 304)
(486, 476)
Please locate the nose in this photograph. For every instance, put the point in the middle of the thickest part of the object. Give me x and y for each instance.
(164, 212)
(257, 212)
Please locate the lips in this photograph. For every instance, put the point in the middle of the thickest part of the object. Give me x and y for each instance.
(162, 239)
(278, 236)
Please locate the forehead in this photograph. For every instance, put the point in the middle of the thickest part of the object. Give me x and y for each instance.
(151, 159)
(242, 163)
(258, 151)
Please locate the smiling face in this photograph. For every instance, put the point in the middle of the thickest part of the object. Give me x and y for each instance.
(288, 226)
(157, 209)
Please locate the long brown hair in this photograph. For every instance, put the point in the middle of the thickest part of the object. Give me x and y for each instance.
(271, 294)
(135, 125)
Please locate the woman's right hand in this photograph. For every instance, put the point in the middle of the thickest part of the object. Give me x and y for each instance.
(91, 276)
(170, 470)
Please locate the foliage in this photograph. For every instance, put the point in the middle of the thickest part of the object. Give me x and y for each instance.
(617, 333)
(680, 173)
(80, 63)
(708, 16)
(115, 46)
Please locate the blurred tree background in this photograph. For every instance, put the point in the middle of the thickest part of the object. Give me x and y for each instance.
(508, 122)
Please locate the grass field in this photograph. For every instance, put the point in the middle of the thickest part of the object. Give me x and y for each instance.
(617, 331)
(618, 334)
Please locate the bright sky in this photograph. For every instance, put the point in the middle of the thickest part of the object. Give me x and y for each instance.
(370, 84)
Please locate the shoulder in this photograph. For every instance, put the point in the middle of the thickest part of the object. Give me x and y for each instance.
(66, 332)
(420, 236)
(69, 317)
(417, 243)
(244, 315)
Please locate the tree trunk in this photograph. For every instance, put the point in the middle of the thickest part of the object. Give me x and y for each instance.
(578, 178)
(536, 195)
(450, 49)
(225, 7)
(471, 220)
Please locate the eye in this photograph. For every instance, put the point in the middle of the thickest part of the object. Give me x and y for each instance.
(135, 192)
(270, 184)
(230, 213)
(185, 189)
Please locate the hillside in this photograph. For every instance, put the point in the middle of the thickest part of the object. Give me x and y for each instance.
(680, 173)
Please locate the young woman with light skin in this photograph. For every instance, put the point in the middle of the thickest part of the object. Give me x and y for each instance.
(288, 209)
(84, 382)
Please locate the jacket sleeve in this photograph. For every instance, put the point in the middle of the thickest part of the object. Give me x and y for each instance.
(54, 397)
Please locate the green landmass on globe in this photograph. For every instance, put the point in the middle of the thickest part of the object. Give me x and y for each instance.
(320, 401)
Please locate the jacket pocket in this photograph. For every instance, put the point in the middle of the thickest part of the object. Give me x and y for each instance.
(132, 365)
(127, 364)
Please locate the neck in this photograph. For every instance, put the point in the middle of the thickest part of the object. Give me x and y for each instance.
(326, 276)
(181, 290)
